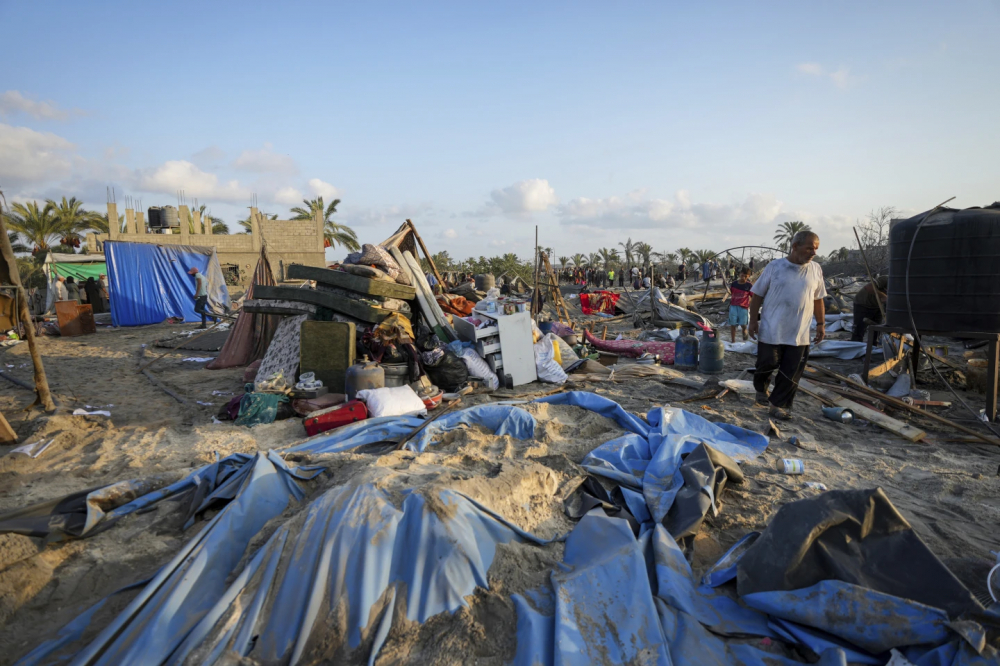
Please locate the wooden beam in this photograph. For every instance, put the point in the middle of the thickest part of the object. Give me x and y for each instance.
(904, 430)
(7, 434)
(427, 254)
(44, 396)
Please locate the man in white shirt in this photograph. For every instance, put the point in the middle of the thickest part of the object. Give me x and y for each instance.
(791, 291)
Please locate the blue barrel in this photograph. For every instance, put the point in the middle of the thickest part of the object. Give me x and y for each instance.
(711, 356)
(686, 351)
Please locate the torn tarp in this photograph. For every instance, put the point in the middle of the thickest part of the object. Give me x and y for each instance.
(845, 350)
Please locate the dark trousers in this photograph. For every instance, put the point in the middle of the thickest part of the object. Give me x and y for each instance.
(860, 327)
(789, 361)
(200, 304)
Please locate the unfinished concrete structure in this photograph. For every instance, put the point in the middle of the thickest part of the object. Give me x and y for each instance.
(287, 241)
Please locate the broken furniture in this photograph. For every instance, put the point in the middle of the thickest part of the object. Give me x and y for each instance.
(75, 318)
(991, 355)
(506, 345)
(327, 348)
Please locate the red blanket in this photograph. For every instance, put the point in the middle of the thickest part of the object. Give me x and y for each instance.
(633, 348)
(599, 301)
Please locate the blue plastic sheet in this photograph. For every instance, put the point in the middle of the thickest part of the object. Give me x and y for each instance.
(352, 553)
(149, 283)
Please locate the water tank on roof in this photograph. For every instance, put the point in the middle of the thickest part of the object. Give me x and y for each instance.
(154, 216)
(954, 271)
(170, 218)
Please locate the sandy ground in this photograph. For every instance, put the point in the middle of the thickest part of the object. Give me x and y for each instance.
(949, 491)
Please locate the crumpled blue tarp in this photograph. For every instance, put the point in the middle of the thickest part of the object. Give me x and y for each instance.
(352, 553)
(159, 618)
(501, 419)
(148, 283)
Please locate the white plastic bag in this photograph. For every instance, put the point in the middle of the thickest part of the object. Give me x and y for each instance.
(392, 401)
(545, 363)
(479, 368)
(567, 356)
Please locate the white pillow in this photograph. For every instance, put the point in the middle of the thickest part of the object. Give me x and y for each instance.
(393, 401)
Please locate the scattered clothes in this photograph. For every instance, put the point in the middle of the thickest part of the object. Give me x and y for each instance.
(633, 348)
(198, 359)
(599, 302)
(257, 408)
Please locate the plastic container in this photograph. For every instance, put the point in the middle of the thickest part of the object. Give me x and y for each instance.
(711, 354)
(791, 466)
(485, 282)
(954, 271)
(686, 351)
(362, 375)
(396, 374)
(838, 414)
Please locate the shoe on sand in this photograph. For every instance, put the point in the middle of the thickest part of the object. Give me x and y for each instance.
(780, 413)
(761, 398)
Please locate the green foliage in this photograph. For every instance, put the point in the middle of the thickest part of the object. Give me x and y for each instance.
(334, 232)
(786, 230)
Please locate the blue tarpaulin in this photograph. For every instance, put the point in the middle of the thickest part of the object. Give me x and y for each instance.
(149, 283)
(357, 557)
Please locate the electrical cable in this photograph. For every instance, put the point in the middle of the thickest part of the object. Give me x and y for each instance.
(913, 324)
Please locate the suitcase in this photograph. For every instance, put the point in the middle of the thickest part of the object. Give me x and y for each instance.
(334, 417)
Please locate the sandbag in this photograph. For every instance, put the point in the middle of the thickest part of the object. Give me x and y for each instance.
(392, 401)
(449, 373)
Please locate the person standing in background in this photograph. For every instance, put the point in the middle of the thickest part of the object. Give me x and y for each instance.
(866, 306)
(62, 293)
(201, 296)
(739, 305)
(72, 290)
(93, 291)
(787, 294)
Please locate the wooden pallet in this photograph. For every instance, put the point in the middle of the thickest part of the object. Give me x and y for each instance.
(355, 283)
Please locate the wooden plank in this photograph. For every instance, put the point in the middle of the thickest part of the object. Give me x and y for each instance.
(324, 299)
(7, 434)
(904, 430)
(355, 283)
(425, 306)
(425, 287)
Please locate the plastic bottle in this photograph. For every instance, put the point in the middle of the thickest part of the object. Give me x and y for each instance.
(364, 374)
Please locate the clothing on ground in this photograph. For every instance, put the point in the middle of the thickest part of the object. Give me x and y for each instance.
(860, 326)
(741, 293)
(789, 361)
(738, 316)
(789, 292)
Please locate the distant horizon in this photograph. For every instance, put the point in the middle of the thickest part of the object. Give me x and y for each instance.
(682, 126)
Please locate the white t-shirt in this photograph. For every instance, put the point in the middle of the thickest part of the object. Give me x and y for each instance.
(789, 291)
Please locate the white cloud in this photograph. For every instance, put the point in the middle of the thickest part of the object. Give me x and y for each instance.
(12, 101)
(183, 175)
(526, 196)
(637, 211)
(210, 156)
(449, 233)
(265, 160)
(28, 156)
(841, 77)
(363, 217)
(496, 242)
(323, 189)
(288, 195)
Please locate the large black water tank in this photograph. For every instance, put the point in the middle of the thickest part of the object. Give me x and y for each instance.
(954, 271)
(154, 216)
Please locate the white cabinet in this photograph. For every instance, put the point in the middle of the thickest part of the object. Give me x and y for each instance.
(506, 346)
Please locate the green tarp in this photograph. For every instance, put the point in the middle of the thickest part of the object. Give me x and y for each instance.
(80, 272)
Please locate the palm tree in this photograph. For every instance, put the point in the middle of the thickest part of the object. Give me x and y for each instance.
(645, 252)
(71, 216)
(218, 226)
(685, 255)
(606, 257)
(593, 259)
(39, 225)
(579, 260)
(629, 249)
(563, 261)
(245, 222)
(334, 232)
(16, 244)
(786, 231)
(705, 255)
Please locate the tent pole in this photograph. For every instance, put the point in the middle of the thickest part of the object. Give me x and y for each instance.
(426, 253)
(44, 396)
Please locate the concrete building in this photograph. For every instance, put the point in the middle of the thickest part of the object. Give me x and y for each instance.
(287, 241)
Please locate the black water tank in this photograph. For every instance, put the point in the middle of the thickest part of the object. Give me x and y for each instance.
(154, 215)
(954, 271)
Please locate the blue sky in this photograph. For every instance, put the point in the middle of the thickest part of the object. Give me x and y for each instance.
(682, 124)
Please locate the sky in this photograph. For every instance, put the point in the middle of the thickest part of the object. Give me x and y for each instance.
(699, 125)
